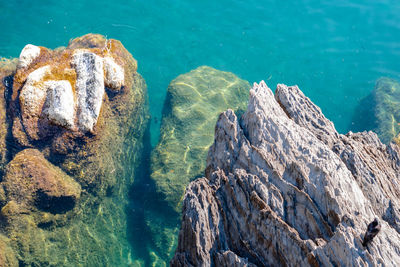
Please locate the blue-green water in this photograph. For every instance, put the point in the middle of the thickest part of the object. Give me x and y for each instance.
(334, 50)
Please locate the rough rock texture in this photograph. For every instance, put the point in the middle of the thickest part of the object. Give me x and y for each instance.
(65, 88)
(7, 257)
(71, 145)
(7, 70)
(28, 55)
(33, 182)
(194, 101)
(387, 109)
(283, 188)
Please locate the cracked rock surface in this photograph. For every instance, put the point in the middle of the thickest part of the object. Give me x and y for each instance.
(283, 188)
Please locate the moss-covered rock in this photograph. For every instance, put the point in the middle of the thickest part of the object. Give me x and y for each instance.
(98, 147)
(7, 257)
(30, 180)
(194, 101)
(192, 106)
(387, 108)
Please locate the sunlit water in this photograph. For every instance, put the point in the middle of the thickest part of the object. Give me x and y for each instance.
(334, 50)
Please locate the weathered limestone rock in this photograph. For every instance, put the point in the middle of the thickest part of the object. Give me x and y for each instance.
(282, 187)
(33, 182)
(70, 81)
(69, 130)
(28, 55)
(114, 78)
(387, 108)
(59, 105)
(194, 101)
(89, 87)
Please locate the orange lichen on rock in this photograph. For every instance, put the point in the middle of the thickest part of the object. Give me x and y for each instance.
(76, 116)
(62, 74)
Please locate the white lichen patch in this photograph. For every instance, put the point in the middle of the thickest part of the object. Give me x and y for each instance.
(89, 87)
(28, 54)
(60, 106)
(114, 74)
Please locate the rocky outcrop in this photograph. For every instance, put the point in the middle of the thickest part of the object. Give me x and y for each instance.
(74, 123)
(282, 187)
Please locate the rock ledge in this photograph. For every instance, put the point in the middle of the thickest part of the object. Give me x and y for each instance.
(282, 187)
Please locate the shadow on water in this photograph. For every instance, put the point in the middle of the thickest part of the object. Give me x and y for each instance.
(364, 115)
(144, 200)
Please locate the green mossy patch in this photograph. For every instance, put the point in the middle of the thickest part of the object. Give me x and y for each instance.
(192, 106)
(194, 101)
(387, 109)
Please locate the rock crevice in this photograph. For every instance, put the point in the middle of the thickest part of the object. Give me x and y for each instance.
(282, 187)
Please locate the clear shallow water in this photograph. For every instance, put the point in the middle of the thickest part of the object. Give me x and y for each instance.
(334, 50)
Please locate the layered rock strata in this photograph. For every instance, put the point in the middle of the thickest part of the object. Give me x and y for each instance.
(282, 187)
(73, 138)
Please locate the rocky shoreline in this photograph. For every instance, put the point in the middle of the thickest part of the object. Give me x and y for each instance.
(279, 186)
(282, 187)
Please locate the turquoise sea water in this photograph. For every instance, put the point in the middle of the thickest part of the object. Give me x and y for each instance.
(334, 50)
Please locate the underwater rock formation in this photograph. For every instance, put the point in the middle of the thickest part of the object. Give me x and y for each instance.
(387, 109)
(194, 101)
(33, 182)
(73, 134)
(283, 188)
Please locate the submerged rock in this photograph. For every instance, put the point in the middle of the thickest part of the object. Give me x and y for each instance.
(191, 109)
(7, 257)
(33, 182)
(387, 108)
(77, 118)
(194, 101)
(282, 187)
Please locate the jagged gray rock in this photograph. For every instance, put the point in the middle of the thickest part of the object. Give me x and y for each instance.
(282, 187)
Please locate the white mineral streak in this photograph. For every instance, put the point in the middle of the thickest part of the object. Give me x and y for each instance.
(114, 74)
(283, 188)
(33, 94)
(89, 87)
(28, 54)
(59, 106)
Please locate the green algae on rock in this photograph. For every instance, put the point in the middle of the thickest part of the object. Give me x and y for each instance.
(7, 257)
(30, 180)
(78, 116)
(387, 109)
(194, 101)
